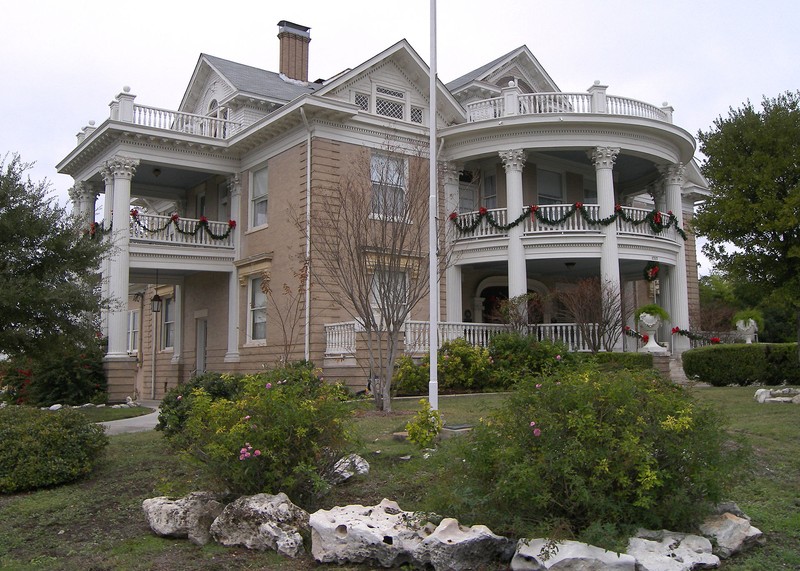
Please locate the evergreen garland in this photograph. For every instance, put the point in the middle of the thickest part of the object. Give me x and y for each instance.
(654, 218)
(202, 224)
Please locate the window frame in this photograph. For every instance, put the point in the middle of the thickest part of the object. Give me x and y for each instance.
(257, 200)
(380, 207)
(549, 199)
(134, 329)
(167, 324)
(253, 311)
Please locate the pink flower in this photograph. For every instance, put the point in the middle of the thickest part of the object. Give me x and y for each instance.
(268, 386)
(243, 451)
(180, 397)
(558, 357)
(257, 452)
(533, 423)
(247, 417)
(537, 432)
(539, 386)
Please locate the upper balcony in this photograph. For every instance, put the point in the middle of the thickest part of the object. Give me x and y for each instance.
(594, 101)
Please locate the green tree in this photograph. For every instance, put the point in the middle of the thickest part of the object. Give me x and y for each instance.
(752, 218)
(48, 269)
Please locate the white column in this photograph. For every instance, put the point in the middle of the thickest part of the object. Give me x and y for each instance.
(232, 354)
(514, 161)
(679, 289)
(603, 159)
(108, 180)
(452, 275)
(121, 170)
(177, 348)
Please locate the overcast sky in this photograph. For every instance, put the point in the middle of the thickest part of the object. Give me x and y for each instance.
(62, 62)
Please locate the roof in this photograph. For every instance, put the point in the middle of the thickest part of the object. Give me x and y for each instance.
(248, 79)
(479, 73)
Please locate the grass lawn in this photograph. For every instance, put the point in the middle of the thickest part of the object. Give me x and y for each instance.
(97, 524)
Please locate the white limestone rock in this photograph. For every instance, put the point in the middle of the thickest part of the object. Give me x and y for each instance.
(188, 517)
(669, 551)
(731, 534)
(382, 534)
(535, 555)
(262, 521)
(347, 467)
(56, 407)
(762, 395)
(454, 547)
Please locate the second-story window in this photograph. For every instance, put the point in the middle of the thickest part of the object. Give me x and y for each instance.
(388, 175)
(549, 187)
(390, 102)
(489, 191)
(258, 198)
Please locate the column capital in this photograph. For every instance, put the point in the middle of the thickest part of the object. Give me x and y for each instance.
(77, 192)
(119, 167)
(513, 160)
(604, 157)
(673, 174)
(235, 184)
(450, 172)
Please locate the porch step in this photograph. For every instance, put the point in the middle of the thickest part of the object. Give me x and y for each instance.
(661, 363)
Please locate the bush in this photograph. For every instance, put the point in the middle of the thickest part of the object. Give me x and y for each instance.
(516, 356)
(65, 374)
(461, 367)
(743, 364)
(580, 449)
(615, 361)
(177, 402)
(425, 426)
(282, 432)
(46, 448)
(411, 378)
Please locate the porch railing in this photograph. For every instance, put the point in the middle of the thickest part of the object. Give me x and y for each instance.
(573, 223)
(595, 101)
(184, 122)
(341, 337)
(186, 231)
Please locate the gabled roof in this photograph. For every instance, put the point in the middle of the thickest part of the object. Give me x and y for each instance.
(245, 79)
(521, 56)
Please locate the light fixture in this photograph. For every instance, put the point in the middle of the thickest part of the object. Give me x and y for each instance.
(156, 172)
(569, 265)
(155, 302)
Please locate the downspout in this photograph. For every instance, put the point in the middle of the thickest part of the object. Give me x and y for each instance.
(307, 335)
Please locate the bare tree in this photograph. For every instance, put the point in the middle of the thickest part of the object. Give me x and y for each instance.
(596, 308)
(520, 312)
(288, 304)
(370, 250)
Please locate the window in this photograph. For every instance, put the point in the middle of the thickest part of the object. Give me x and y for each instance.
(133, 331)
(168, 323)
(390, 102)
(201, 205)
(362, 100)
(258, 197)
(416, 114)
(388, 174)
(590, 195)
(490, 191)
(389, 289)
(224, 201)
(467, 191)
(257, 322)
(548, 187)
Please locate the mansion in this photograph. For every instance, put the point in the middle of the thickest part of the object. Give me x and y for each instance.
(211, 207)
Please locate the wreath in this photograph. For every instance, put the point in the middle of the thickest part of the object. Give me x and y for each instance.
(651, 271)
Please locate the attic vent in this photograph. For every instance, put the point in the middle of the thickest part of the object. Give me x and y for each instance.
(390, 92)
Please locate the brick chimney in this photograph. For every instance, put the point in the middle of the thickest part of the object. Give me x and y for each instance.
(294, 50)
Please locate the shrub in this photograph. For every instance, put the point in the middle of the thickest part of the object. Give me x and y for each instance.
(65, 373)
(177, 402)
(425, 426)
(743, 364)
(516, 356)
(411, 378)
(282, 432)
(614, 361)
(580, 448)
(46, 448)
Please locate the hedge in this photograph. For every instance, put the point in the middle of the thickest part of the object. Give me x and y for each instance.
(743, 364)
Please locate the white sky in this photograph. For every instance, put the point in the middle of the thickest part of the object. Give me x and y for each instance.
(62, 63)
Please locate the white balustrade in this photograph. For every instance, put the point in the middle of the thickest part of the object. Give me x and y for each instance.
(484, 229)
(160, 229)
(184, 122)
(340, 338)
(563, 103)
(639, 226)
(574, 222)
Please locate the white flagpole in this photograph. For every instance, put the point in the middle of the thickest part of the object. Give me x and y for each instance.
(433, 302)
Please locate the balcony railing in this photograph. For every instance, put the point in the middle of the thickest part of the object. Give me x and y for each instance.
(155, 228)
(570, 222)
(184, 122)
(595, 101)
(341, 338)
